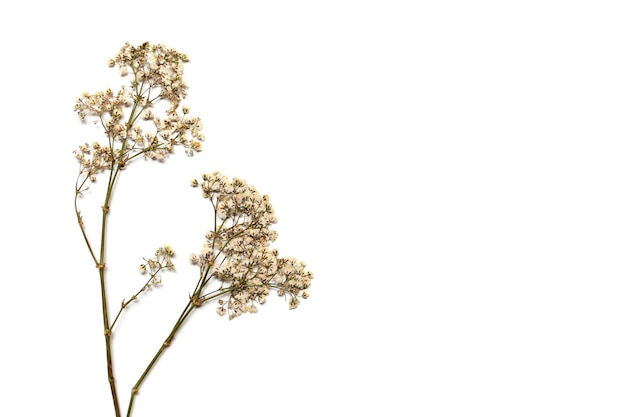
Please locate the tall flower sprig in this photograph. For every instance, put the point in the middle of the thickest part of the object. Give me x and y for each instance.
(132, 129)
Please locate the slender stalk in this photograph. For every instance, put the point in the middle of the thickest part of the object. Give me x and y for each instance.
(189, 308)
(186, 312)
(103, 294)
(107, 338)
(100, 264)
(79, 217)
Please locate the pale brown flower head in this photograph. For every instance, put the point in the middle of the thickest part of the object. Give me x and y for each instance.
(158, 66)
(128, 116)
(237, 251)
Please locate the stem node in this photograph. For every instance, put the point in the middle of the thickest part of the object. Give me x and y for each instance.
(197, 302)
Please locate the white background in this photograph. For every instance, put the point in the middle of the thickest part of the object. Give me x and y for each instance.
(452, 172)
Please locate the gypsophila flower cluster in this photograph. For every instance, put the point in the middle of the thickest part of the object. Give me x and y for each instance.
(155, 66)
(130, 125)
(162, 261)
(236, 252)
(95, 158)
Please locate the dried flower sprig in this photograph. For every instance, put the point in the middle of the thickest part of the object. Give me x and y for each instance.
(236, 253)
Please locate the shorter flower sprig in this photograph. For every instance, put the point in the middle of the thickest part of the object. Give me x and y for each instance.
(236, 255)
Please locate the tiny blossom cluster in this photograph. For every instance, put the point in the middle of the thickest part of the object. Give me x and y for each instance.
(95, 158)
(104, 104)
(162, 261)
(156, 75)
(156, 66)
(237, 251)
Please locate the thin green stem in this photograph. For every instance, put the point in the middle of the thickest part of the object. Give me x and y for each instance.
(134, 296)
(79, 218)
(187, 310)
(194, 301)
(103, 294)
